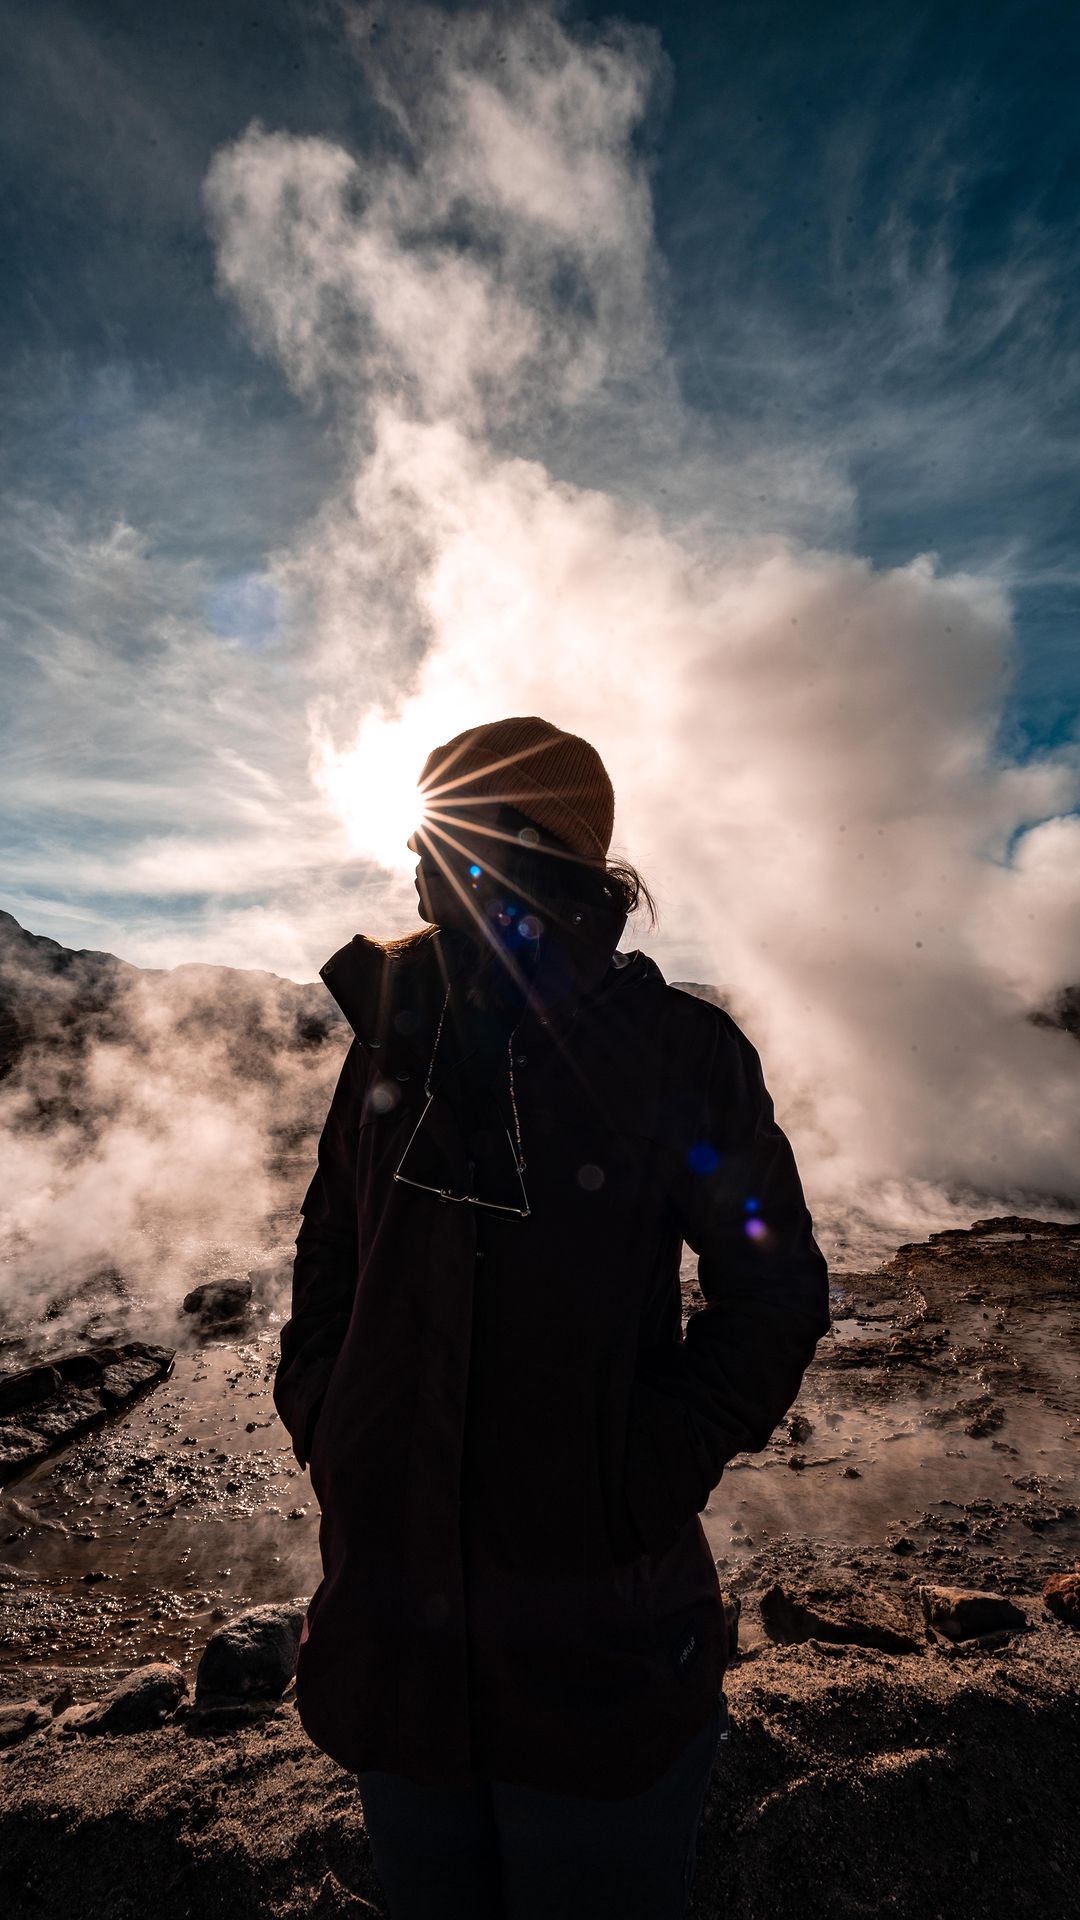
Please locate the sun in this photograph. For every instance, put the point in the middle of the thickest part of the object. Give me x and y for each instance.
(373, 787)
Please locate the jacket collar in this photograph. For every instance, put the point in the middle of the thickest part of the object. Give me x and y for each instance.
(391, 991)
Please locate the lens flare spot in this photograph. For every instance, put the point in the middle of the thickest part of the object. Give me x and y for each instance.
(590, 1177)
(475, 871)
(382, 1096)
(751, 1205)
(755, 1229)
(703, 1157)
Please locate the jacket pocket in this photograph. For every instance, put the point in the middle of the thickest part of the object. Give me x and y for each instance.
(315, 1436)
(663, 1474)
(311, 1446)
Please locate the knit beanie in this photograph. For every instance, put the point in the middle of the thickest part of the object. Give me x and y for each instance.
(556, 778)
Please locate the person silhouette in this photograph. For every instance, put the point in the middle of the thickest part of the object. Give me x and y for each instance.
(519, 1641)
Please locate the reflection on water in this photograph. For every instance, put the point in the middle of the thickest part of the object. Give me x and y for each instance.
(908, 1474)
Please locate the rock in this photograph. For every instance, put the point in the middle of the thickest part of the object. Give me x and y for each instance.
(984, 1420)
(149, 1350)
(270, 1280)
(963, 1613)
(124, 1378)
(76, 1719)
(85, 1369)
(1062, 1596)
(842, 1614)
(141, 1701)
(1021, 1223)
(49, 1406)
(19, 1718)
(799, 1428)
(251, 1656)
(143, 1698)
(27, 1388)
(71, 1411)
(19, 1448)
(732, 1605)
(218, 1300)
(969, 1649)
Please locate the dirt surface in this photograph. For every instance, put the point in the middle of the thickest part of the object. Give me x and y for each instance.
(934, 1441)
(854, 1783)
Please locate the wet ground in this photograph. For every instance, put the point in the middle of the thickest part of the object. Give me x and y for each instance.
(145, 1535)
(936, 1437)
(137, 1540)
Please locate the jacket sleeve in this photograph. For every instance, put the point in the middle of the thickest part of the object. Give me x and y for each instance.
(726, 1385)
(326, 1265)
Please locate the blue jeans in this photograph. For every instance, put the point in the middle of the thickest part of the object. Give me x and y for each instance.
(503, 1852)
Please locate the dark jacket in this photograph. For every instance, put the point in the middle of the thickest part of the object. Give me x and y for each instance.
(509, 1437)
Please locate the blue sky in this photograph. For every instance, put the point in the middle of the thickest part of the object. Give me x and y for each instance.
(864, 277)
(870, 218)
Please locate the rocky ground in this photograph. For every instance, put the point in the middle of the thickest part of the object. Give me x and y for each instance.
(897, 1747)
(855, 1782)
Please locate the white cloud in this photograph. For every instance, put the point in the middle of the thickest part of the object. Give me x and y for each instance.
(802, 746)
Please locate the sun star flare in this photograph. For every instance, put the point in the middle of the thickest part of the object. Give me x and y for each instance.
(373, 787)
